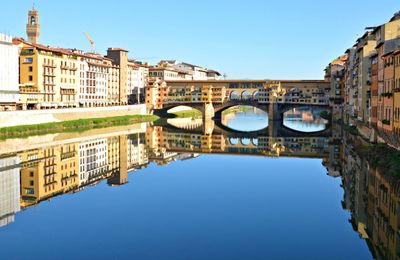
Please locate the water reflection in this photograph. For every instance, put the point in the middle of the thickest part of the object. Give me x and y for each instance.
(305, 119)
(34, 171)
(245, 118)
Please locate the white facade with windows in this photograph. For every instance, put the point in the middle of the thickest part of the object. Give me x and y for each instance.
(94, 82)
(9, 88)
(93, 160)
(9, 189)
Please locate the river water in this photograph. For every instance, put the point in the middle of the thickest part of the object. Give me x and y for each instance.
(174, 192)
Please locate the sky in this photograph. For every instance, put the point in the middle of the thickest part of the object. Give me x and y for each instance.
(246, 39)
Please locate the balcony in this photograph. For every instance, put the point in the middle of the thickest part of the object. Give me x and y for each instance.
(45, 74)
(30, 89)
(50, 65)
(68, 155)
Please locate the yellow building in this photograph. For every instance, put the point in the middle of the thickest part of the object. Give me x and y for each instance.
(48, 77)
(113, 86)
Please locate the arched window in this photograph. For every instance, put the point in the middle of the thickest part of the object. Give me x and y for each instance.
(33, 20)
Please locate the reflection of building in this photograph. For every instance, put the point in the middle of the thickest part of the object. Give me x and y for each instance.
(68, 167)
(93, 160)
(117, 160)
(9, 188)
(136, 151)
(372, 197)
(47, 172)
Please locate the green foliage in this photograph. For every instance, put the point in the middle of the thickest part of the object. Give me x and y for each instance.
(236, 109)
(193, 113)
(325, 115)
(387, 94)
(352, 129)
(74, 125)
(383, 157)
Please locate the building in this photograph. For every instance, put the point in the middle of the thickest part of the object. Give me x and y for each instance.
(33, 27)
(48, 78)
(168, 73)
(9, 89)
(196, 72)
(374, 90)
(396, 94)
(120, 57)
(365, 49)
(335, 74)
(113, 86)
(350, 90)
(94, 73)
(137, 80)
(386, 82)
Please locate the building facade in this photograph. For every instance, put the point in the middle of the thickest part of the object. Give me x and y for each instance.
(9, 89)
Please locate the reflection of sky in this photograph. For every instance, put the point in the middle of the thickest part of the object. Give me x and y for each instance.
(211, 207)
(255, 119)
(302, 126)
(300, 120)
(251, 120)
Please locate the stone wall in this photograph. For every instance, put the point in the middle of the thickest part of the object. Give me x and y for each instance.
(15, 118)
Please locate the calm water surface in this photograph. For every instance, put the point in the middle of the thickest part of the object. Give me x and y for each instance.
(157, 193)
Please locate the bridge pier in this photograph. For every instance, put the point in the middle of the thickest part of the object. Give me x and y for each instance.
(274, 119)
(208, 126)
(208, 111)
(274, 113)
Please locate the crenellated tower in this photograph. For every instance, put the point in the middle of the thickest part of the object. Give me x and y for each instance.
(33, 27)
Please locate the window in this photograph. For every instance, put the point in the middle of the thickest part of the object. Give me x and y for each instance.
(29, 191)
(30, 68)
(28, 60)
(31, 183)
(31, 78)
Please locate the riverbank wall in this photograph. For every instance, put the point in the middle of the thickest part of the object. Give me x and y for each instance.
(31, 117)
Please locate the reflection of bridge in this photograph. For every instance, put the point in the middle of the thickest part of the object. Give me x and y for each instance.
(212, 97)
(274, 129)
(222, 141)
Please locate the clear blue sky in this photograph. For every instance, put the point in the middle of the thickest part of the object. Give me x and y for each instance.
(293, 39)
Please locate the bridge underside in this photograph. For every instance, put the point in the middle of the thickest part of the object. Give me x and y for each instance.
(275, 110)
(276, 129)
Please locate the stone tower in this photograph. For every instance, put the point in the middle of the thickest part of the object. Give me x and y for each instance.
(33, 27)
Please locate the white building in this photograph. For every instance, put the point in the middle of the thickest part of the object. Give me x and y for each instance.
(93, 160)
(137, 80)
(9, 189)
(9, 73)
(197, 72)
(136, 151)
(94, 72)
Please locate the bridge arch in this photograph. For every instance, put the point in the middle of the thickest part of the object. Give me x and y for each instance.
(233, 140)
(234, 95)
(246, 95)
(255, 95)
(245, 141)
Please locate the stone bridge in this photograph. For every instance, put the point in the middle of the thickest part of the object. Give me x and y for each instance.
(212, 97)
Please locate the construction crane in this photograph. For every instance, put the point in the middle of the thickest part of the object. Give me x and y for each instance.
(93, 47)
